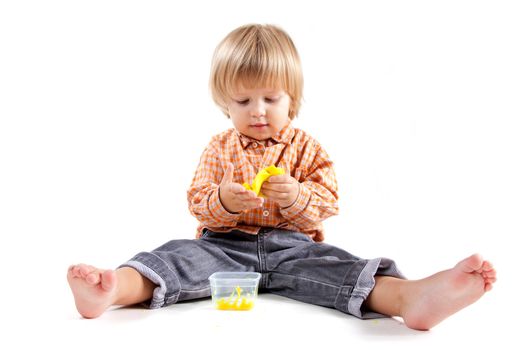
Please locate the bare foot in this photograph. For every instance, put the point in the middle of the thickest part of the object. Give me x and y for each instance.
(94, 289)
(430, 300)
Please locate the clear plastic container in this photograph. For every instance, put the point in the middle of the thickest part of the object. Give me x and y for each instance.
(234, 290)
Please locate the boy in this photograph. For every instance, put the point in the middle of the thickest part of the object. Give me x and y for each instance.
(256, 80)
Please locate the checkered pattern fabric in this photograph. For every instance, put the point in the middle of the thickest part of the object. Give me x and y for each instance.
(291, 149)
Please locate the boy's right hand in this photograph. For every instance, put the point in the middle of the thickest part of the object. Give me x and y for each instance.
(234, 197)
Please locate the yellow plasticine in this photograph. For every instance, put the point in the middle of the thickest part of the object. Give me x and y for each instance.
(262, 176)
(237, 303)
(243, 304)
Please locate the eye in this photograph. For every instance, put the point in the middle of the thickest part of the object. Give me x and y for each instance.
(243, 102)
(271, 99)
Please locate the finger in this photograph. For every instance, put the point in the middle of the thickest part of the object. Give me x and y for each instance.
(250, 204)
(238, 189)
(277, 187)
(275, 194)
(253, 206)
(248, 195)
(279, 179)
(228, 174)
(257, 201)
(244, 194)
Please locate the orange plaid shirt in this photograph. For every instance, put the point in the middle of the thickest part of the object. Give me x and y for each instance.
(291, 149)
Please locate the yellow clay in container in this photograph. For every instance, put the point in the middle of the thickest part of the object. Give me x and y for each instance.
(237, 303)
(244, 305)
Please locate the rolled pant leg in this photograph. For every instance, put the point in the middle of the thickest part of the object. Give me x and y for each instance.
(321, 274)
(180, 268)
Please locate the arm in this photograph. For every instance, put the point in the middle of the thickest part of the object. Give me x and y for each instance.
(203, 194)
(213, 198)
(311, 199)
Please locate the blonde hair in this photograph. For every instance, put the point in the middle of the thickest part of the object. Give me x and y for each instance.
(255, 56)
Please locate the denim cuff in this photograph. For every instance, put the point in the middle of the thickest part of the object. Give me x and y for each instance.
(153, 268)
(361, 277)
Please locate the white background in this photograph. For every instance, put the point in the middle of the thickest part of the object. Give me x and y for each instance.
(105, 110)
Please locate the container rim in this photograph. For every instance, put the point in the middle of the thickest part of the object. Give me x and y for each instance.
(231, 275)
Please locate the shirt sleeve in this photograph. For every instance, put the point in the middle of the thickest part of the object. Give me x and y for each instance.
(203, 195)
(317, 199)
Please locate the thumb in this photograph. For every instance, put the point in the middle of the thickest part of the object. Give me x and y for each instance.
(228, 174)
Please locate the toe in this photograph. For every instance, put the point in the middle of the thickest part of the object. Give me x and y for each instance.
(489, 274)
(76, 271)
(83, 270)
(471, 264)
(108, 280)
(71, 272)
(491, 279)
(487, 266)
(93, 278)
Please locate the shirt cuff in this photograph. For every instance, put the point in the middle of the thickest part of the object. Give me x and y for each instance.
(300, 204)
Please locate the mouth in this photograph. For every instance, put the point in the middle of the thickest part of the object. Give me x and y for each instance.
(259, 125)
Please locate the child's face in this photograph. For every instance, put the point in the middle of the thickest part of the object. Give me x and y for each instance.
(259, 113)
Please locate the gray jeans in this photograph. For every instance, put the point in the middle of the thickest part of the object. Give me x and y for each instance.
(291, 264)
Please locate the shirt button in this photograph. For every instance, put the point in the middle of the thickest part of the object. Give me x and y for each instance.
(266, 213)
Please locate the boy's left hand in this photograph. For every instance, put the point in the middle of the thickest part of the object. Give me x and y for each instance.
(283, 189)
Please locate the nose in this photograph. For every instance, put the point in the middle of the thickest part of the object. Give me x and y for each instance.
(258, 109)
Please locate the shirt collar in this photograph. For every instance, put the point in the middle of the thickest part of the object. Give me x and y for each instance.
(284, 136)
